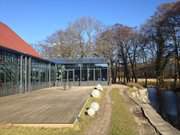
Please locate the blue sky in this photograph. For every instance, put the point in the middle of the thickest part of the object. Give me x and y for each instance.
(34, 20)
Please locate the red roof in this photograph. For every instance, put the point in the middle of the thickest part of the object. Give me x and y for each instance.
(9, 39)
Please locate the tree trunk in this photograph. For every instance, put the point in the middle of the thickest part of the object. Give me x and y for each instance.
(110, 73)
(145, 76)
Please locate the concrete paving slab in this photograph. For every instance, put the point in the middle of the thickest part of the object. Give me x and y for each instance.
(46, 106)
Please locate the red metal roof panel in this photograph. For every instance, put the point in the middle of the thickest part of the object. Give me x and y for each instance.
(9, 39)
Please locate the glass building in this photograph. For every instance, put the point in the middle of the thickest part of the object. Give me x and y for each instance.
(22, 69)
(82, 71)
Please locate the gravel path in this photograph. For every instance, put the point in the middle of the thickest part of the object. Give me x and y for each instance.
(144, 127)
(102, 124)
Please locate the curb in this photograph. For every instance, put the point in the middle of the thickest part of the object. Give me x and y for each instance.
(81, 111)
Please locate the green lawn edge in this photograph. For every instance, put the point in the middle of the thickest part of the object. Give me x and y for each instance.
(123, 122)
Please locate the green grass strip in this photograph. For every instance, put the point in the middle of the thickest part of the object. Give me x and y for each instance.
(123, 122)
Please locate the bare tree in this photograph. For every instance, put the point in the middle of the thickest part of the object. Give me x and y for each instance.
(86, 28)
(171, 22)
(159, 36)
(134, 52)
(105, 47)
(122, 38)
(77, 40)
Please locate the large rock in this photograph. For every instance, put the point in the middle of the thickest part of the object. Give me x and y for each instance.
(135, 88)
(96, 93)
(95, 106)
(99, 87)
(91, 112)
(141, 95)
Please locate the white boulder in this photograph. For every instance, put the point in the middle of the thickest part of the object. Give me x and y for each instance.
(142, 94)
(95, 106)
(96, 93)
(91, 112)
(133, 94)
(99, 87)
(135, 88)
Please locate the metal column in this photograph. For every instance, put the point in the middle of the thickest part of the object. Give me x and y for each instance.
(94, 75)
(21, 74)
(100, 70)
(80, 75)
(56, 75)
(73, 76)
(29, 74)
(107, 77)
(39, 79)
(25, 74)
(88, 75)
(67, 81)
(49, 75)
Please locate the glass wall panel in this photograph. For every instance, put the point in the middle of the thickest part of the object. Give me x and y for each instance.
(87, 72)
(41, 71)
(91, 75)
(35, 73)
(9, 72)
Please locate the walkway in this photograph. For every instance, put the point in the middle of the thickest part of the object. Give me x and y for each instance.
(102, 125)
(143, 126)
(46, 106)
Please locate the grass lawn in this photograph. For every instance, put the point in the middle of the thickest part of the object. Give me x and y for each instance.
(78, 129)
(123, 122)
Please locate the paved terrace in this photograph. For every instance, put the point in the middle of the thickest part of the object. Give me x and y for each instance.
(46, 106)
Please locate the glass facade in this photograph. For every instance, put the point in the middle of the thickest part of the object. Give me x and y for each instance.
(20, 73)
(43, 74)
(9, 72)
(79, 73)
